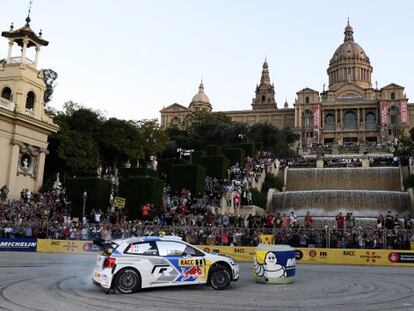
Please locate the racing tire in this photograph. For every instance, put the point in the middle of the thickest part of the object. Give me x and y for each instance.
(219, 278)
(127, 281)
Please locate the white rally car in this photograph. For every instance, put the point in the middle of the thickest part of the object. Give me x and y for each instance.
(142, 262)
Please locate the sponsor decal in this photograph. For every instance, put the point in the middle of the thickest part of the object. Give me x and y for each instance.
(312, 253)
(239, 250)
(191, 274)
(18, 244)
(397, 257)
(370, 256)
(190, 262)
(348, 253)
(298, 254)
(323, 254)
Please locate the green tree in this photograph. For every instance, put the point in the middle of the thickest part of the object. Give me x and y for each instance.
(49, 77)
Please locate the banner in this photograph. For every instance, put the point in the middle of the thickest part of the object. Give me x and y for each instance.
(316, 115)
(371, 257)
(404, 112)
(66, 246)
(267, 239)
(243, 254)
(384, 113)
(18, 244)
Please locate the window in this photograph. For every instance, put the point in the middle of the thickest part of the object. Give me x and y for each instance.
(307, 99)
(307, 119)
(394, 113)
(263, 98)
(6, 93)
(330, 121)
(350, 120)
(143, 248)
(392, 95)
(167, 248)
(191, 251)
(30, 100)
(370, 122)
(175, 120)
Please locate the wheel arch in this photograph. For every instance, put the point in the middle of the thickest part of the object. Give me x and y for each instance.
(130, 268)
(220, 264)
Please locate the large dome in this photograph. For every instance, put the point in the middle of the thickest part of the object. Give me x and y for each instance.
(349, 50)
(200, 101)
(349, 63)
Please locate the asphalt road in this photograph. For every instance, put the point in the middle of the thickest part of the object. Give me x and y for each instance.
(38, 281)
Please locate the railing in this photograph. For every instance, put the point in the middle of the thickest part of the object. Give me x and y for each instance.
(29, 112)
(20, 60)
(6, 104)
(326, 237)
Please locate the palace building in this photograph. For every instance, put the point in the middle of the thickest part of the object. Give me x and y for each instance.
(349, 111)
(24, 126)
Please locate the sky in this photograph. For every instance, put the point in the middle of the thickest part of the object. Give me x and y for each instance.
(131, 58)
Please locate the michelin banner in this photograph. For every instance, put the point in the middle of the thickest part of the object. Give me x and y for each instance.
(18, 244)
(371, 257)
(66, 246)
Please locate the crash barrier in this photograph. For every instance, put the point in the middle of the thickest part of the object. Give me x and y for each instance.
(18, 244)
(370, 257)
(274, 264)
(65, 246)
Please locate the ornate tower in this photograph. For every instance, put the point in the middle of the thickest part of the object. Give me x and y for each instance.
(24, 126)
(349, 64)
(200, 101)
(265, 91)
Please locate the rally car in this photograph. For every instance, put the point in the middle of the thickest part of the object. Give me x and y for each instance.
(142, 262)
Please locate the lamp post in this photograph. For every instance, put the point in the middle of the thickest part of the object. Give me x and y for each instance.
(85, 195)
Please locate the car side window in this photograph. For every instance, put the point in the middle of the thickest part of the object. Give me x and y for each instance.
(167, 248)
(191, 251)
(142, 248)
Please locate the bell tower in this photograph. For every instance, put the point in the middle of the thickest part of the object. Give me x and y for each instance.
(265, 91)
(24, 126)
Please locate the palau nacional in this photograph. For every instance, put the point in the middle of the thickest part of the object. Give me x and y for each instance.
(351, 111)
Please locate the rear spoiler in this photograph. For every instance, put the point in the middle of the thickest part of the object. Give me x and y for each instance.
(103, 246)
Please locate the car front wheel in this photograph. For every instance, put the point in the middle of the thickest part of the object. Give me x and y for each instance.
(127, 281)
(220, 278)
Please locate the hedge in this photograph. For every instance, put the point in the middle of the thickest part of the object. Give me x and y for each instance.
(98, 192)
(409, 182)
(249, 149)
(235, 155)
(196, 156)
(189, 176)
(139, 190)
(258, 146)
(164, 165)
(258, 198)
(271, 181)
(136, 171)
(216, 166)
(213, 150)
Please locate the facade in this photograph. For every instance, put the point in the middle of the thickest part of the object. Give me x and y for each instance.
(350, 111)
(24, 126)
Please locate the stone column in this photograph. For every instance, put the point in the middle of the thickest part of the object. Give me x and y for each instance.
(37, 56)
(9, 53)
(14, 159)
(24, 52)
(40, 168)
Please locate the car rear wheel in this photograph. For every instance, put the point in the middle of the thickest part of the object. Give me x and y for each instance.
(220, 278)
(127, 281)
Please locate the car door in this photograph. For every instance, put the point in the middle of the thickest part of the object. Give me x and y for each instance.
(187, 261)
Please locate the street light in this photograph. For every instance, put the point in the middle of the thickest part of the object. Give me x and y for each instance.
(85, 195)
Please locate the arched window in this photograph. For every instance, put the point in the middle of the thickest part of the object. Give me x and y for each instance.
(263, 98)
(6, 93)
(30, 100)
(307, 119)
(330, 121)
(370, 122)
(350, 120)
(392, 95)
(394, 114)
(307, 99)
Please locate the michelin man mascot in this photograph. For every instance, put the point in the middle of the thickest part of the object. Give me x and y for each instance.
(270, 269)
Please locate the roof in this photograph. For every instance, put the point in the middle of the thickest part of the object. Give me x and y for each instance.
(174, 107)
(25, 32)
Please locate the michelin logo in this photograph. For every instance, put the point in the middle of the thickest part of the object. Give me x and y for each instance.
(18, 244)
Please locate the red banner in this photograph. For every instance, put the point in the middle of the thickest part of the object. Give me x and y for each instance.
(384, 113)
(404, 112)
(316, 115)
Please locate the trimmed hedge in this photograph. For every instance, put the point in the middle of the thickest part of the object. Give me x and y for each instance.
(164, 165)
(258, 146)
(213, 150)
(216, 166)
(258, 198)
(98, 191)
(409, 182)
(196, 156)
(137, 171)
(189, 176)
(249, 149)
(139, 190)
(235, 155)
(271, 181)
